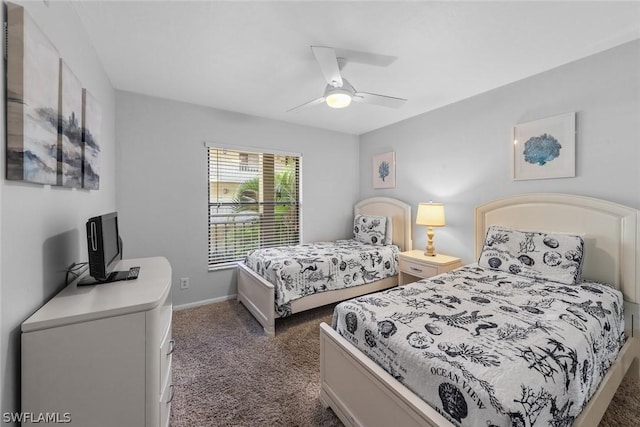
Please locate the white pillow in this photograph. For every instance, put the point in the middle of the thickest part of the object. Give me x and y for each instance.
(371, 229)
(556, 257)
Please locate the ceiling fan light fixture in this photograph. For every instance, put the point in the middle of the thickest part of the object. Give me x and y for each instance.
(339, 92)
(338, 99)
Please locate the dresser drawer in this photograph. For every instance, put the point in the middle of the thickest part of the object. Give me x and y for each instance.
(165, 402)
(166, 350)
(417, 269)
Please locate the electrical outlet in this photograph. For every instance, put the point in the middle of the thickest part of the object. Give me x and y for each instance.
(184, 283)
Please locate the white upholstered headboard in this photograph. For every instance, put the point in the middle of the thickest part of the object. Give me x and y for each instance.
(610, 232)
(399, 212)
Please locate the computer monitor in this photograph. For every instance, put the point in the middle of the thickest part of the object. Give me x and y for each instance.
(104, 245)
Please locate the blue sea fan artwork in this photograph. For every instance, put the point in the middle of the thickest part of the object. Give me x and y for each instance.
(383, 170)
(541, 149)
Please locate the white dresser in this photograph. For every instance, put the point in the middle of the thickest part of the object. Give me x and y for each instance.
(101, 355)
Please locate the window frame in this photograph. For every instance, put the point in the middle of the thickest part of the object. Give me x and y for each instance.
(245, 154)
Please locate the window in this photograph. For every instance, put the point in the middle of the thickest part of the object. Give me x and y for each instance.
(254, 202)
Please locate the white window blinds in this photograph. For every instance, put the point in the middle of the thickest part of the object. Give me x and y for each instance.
(254, 202)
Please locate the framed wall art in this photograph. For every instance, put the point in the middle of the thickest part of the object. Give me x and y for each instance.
(91, 122)
(384, 170)
(70, 136)
(544, 148)
(53, 123)
(33, 76)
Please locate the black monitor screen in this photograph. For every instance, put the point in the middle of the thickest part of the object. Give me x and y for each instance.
(110, 238)
(104, 245)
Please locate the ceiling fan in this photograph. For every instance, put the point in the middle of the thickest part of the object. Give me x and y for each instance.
(339, 92)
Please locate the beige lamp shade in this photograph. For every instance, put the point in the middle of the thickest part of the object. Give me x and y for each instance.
(431, 214)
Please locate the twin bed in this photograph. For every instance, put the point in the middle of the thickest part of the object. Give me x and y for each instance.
(277, 282)
(540, 331)
(527, 336)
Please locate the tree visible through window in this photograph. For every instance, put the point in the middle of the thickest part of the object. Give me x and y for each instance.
(254, 202)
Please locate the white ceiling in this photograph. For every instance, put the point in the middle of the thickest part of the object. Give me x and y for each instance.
(255, 57)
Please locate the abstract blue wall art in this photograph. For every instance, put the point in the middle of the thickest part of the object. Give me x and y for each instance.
(384, 170)
(544, 148)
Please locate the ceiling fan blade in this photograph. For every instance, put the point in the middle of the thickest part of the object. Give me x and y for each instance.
(385, 101)
(365, 57)
(326, 57)
(308, 104)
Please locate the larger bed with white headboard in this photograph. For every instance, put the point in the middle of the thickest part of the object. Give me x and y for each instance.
(258, 294)
(361, 392)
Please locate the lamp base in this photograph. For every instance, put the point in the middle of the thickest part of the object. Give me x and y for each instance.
(430, 250)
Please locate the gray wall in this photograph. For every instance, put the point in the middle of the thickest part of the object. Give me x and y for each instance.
(42, 227)
(161, 176)
(460, 154)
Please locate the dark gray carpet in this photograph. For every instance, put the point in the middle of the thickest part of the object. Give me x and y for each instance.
(228, 373)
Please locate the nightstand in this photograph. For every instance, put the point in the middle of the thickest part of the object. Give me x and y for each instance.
(415, 265)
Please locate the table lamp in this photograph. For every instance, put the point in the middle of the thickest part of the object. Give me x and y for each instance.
(431, 215)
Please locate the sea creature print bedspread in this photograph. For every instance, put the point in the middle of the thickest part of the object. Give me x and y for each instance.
(486, 348)
(301, 270)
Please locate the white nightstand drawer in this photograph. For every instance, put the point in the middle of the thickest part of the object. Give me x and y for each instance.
(416, 269)
(415, 265)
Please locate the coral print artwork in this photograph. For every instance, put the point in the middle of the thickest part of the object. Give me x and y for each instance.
(384, 170)
(544, 149)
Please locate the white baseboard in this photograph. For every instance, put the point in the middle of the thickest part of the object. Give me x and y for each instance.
(203, 302)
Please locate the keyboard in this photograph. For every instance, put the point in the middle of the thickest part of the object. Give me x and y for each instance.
(116, 276)
(133, 273)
